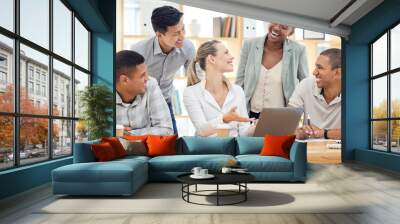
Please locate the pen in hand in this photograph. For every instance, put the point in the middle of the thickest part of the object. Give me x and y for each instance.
(309, 125)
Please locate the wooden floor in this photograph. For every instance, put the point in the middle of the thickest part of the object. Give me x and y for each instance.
(378, 189)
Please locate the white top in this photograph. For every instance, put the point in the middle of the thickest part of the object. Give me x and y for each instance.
(308, 96)
(205, 113)
(269, 89)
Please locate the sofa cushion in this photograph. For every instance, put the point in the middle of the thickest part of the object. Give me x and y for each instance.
(134, 147)
(249, 145)
(277, 145)
(83, 152)
(185, 163)
(103, 152)
(116, 145)
(161, 145)
(206, 145)
(112, 171)
(130, 158)
(257, 163)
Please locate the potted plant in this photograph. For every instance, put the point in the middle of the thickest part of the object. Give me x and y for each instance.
(96, 103)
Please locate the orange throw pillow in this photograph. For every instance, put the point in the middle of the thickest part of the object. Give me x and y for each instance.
(277, 145)
(116, 145)
(103, 152)
(161, 145)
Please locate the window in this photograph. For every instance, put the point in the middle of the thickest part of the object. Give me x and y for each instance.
(62, 74)
(37, 74)
(30, 73)
(30, 87)
(3, 78)
(7, 14)
(45, 75)
(62, 30)
(44, 91)
(3, 72)
(7, 83)
(385, 94)
(3, 61)
(35, 22)
(38, 89)
(81, 81)
(81, 45)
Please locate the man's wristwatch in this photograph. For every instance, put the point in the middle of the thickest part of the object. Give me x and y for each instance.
(326, 133)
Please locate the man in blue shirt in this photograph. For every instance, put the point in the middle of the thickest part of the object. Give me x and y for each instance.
(167, 51)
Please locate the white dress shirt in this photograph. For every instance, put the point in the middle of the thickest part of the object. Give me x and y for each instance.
(205, 113)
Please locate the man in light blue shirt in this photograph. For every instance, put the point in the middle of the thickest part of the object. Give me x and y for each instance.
(141, 108)
(167, 51)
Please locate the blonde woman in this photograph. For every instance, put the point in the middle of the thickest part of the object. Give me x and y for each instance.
(213, 101)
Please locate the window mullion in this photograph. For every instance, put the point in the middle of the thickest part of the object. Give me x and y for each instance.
(389, 101)
(50, 81)
(16, 84)
(73, 82)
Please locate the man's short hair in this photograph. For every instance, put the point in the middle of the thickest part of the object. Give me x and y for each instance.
(335, 57)
(163, 17)
(127, 60)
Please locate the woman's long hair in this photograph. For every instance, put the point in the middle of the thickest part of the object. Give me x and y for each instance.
(204, 50)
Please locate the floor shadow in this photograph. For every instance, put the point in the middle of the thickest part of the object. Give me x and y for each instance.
(255, 198)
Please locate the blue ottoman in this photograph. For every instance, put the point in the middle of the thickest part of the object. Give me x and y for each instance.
(119, 177)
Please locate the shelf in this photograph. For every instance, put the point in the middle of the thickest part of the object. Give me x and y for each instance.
(190, 38)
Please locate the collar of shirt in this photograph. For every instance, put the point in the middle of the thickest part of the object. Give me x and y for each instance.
(210, 98)
(135, 102)
(318, 92)
(224, 79)
(158, 50)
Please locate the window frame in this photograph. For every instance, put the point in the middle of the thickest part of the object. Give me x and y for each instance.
(15, 68)
(388, 74)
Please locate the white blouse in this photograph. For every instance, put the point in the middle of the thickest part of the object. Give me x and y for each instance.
(205, 113)
(269, 89)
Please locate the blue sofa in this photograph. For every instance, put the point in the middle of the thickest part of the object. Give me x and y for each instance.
(125, 176)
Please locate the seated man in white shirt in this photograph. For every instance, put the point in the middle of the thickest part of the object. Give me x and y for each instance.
(214, 102)
(141, 107)
(320, 97)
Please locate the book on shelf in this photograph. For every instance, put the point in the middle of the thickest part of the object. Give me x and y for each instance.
(224, 27)
(227, 26)
(233, 27)
(217, 26)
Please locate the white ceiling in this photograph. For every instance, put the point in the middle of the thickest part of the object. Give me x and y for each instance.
(313, 15)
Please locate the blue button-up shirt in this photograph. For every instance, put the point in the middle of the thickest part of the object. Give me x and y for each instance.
(163, 67)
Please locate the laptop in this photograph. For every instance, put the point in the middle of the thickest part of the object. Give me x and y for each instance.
(278, 121)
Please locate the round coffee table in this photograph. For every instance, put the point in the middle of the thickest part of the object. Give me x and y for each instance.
(238, 179)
